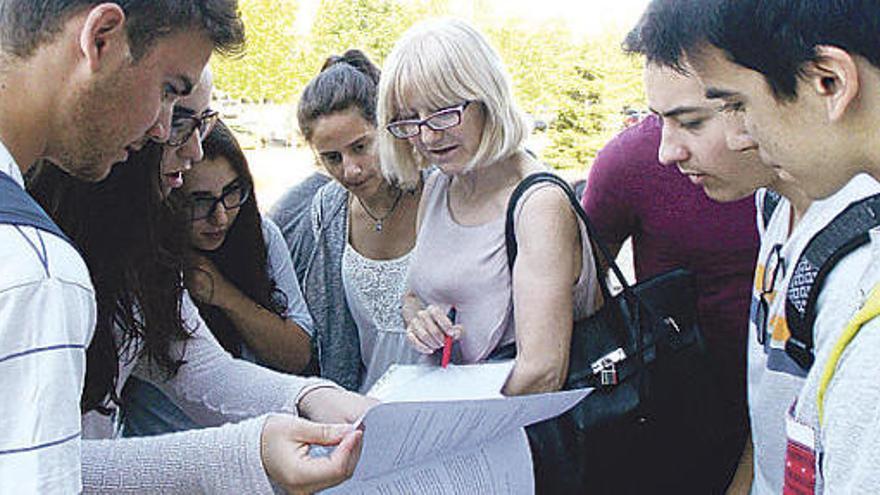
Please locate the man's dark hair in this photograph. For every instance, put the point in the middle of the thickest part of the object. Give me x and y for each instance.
(27, 24)
(668, 30)
(778, 37)
(775, 38)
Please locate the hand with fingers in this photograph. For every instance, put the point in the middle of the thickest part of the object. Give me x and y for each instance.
(205, 283)
(285, 444)
(428, 328)
(334, 405)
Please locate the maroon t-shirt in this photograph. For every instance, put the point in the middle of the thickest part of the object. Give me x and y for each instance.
(674, 224)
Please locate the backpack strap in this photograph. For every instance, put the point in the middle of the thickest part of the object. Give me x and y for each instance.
(17, 207)
(869, 311)
(768, 206)
(848, 231)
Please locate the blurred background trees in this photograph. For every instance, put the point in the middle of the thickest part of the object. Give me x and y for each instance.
(575, 87)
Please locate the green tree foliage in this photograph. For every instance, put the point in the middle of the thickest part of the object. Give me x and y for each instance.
(370, 25)
(272, 58)
(579, 88)
(599, 82)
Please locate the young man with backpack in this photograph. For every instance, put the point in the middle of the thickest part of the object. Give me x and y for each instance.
(671, 184)
(809, 279)
(80, 85)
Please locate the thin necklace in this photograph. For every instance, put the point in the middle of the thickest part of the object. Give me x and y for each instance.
(380, 220)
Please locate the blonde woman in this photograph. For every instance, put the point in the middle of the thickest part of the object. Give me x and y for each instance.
(445, 100)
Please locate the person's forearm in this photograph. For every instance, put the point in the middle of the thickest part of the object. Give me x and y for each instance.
(280, 343)
(742, 479)
(534, 377)
(208, 460)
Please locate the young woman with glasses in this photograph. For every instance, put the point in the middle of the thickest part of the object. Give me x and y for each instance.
(136, 246)
(363, 227)
(191, 121)
(240, 277)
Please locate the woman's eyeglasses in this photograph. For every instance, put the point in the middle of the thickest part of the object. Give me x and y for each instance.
(183, 125)
(774, 267)
(234, 195)
(437, 121)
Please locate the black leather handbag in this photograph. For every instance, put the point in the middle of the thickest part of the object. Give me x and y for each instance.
(643, 353)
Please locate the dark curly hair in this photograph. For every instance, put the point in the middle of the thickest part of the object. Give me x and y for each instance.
(134, 246)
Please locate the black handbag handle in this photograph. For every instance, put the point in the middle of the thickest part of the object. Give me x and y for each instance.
(510, 236)
(634, 302)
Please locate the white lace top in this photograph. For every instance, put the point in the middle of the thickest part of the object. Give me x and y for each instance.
(374, 290)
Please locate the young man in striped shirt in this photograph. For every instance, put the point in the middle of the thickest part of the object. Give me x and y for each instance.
(81, 84)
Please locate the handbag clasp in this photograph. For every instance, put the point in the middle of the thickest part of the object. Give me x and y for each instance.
(606, 366)
(671, 322)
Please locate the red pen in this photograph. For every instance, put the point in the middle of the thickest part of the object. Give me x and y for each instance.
(447, 341)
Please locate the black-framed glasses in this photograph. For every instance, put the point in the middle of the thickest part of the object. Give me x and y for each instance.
(437, 121)
(774, 267)
(234, 195)
(183, 124)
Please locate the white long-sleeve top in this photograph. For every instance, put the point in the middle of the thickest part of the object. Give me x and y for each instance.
(213, 388)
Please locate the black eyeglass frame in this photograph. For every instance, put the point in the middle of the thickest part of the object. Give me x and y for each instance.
(762, 313)
(240, 185)
(456, 110)
(204, 123)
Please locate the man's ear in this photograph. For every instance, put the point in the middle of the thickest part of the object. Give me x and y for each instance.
(103, 35)
(834, 76)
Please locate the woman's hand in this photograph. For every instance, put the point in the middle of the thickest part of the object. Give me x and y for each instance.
(334, 405)
(426, 331)
(285, 443)
(205, 283)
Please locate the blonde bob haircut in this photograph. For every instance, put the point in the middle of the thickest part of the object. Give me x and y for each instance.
(438, 64)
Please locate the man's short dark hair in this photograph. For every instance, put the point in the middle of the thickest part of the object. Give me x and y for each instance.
(27, 24)
(778, 37)
(775, 38)
(668, 30)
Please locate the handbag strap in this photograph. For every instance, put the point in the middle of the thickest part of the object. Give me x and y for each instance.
(633, 300)
(510, 231)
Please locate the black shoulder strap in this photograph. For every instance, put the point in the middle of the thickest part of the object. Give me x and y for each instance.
(848, 231)
(18, 208)
(771, 201)
(510, 227)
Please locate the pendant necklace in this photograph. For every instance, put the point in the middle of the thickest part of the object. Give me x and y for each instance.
(380, 220)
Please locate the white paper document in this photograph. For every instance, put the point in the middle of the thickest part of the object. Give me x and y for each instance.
(468, 446)
(402, 383)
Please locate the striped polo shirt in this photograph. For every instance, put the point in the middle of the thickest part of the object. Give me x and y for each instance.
(47, 317)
